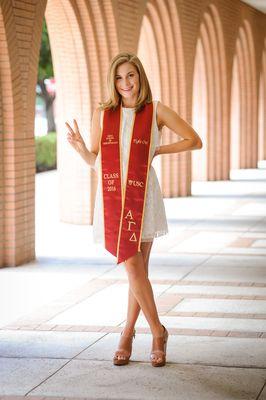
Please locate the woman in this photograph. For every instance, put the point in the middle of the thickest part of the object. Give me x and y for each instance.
(131, 102)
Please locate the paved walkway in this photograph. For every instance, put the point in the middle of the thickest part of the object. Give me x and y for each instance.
(64, 312)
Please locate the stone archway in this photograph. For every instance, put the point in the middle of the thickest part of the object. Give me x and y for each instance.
(165, 63)
(244, 120)
(81, 52)
(210, 78)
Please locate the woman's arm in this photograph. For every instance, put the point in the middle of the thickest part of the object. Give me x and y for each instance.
(75, 139)
(95, 132)
(168, 117)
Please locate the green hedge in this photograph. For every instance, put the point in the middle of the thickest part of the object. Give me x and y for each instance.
(45, 147)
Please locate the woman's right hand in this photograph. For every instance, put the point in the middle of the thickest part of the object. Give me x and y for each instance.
(74, 137)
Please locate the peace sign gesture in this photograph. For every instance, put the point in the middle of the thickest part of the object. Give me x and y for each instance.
(74, 137)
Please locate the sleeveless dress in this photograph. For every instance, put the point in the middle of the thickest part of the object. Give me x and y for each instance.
(154, 221)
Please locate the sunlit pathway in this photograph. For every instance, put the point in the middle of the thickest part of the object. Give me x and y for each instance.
(63, 313)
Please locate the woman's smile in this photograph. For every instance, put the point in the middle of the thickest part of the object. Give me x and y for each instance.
(127, 90)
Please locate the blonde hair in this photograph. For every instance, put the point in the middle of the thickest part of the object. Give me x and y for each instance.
(145, 95)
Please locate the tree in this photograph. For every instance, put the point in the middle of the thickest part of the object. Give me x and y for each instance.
(45, 71)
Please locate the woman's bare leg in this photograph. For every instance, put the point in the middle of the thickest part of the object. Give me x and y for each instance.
(133, 305)
(141, 288)
(133, 308)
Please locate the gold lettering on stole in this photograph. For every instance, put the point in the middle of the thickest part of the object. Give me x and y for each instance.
(133, 237)
(130, 222)
(129, 213)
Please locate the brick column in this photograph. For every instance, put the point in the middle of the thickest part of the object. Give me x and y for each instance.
(19, 49)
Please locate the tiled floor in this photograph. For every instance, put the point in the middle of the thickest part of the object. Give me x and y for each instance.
(67, 308)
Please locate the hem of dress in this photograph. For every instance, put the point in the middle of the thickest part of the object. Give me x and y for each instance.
(157, 234)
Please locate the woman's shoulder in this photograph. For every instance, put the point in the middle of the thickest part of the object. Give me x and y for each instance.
(97, 112)
(163, 112)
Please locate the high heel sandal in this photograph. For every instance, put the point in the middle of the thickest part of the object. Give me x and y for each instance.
(157, 344)
(124, 343)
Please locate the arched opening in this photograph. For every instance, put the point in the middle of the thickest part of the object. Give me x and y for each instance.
(72, 101)
(160, 49)
(81, 51)
(210, 110)
(244, 120)
(235, 118)
(199, 115)
(148, 54)
(82, 42)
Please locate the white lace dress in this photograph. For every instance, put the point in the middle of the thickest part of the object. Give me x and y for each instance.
(154, 222)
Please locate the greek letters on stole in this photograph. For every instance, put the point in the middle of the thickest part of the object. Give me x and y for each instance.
(123, 205)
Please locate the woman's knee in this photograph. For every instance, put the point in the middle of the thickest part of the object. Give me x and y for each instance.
(146, 249)
(135, 266)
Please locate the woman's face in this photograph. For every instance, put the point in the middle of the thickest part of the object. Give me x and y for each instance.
(127, 81)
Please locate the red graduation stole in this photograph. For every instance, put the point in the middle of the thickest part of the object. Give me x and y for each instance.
(123, 205)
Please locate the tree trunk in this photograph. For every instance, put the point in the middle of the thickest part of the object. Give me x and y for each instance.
(48, 99)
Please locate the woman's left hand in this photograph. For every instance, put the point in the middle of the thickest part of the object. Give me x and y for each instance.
(156, 153)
